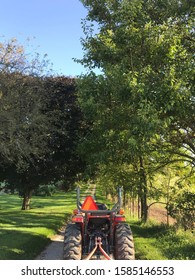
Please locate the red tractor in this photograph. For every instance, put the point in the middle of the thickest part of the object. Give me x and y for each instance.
(97, 232)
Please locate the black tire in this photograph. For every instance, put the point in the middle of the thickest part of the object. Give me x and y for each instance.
(72, 242)
(124, 245)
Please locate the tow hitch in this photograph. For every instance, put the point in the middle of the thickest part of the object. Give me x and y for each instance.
(98, 244)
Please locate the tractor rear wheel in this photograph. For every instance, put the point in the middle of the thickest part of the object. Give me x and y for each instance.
(72, 242)
(124, 245)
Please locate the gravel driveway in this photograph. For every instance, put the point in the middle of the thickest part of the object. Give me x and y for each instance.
(54, 251)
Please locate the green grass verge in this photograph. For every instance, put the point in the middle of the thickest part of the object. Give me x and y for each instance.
(24, 234)
(158, 242)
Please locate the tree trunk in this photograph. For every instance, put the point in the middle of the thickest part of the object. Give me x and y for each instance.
(144, 207)
(26, 200)
(143, 192)
(124, 198)
(133, 207)
(138, 207)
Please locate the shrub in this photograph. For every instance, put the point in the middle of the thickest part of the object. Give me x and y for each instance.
(45, 190)
(183, 210)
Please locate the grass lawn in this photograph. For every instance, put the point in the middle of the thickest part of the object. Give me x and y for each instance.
(157, 242)
(23, 234)
(145, 239)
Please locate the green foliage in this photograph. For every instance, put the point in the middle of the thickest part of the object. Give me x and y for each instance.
(65, 129)
(45, 190)
(183, 209)
(112, 175)
(140, 110)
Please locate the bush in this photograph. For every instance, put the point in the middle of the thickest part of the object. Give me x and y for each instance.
(45, 190)
(183, 210)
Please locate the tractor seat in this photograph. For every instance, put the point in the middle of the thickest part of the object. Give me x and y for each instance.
(101, 206)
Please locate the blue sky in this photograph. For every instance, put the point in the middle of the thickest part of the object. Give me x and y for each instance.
(54, 27)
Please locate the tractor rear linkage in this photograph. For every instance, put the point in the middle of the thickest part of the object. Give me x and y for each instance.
(98, 244)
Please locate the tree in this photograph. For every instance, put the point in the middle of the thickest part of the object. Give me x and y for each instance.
(67, 122)
(24, 131)
(39, 124)
(137, 106)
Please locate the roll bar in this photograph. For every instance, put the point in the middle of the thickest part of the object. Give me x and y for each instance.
(115, 208)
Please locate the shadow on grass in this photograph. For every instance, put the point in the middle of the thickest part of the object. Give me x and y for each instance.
(144, 230)
(33, 220)
(9, 202)
(16, 245)
(181, 252)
